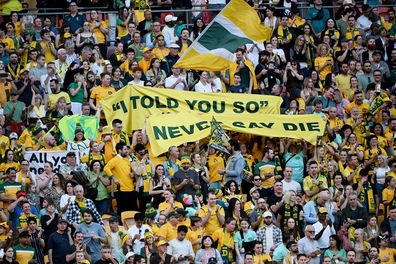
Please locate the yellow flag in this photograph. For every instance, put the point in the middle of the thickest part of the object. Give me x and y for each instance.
(177, 129)
(133, 104)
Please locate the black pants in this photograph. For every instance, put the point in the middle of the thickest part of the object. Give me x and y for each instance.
(126, 201)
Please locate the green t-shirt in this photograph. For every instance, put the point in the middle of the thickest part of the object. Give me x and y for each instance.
(102, 190)
(79, 97)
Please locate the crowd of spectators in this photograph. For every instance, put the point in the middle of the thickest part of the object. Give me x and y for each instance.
(273, 200)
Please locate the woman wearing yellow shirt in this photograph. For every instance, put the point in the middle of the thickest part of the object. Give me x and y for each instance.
(324, 63)
(196, 232)
(100, 30)
(225, 238)
(9, 162)
(388, 193)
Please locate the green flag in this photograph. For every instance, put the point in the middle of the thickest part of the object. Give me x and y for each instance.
(218, 138)
(86, 124)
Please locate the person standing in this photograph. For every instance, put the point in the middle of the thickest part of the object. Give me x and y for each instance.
(120, 169)
(59, 242)
(94, 235)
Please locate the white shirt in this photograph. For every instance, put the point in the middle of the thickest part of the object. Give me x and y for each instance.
(269, 233)
(141, 83)
(363, 22)
(323, 241)
(178, 248)
(133, 231)
(47, 86)
(169, 33)
(170, 81)
(203, 88)
(291, 186)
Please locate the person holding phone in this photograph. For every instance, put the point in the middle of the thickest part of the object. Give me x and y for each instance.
(180, 248)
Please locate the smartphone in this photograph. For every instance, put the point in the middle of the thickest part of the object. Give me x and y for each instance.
(3, 75)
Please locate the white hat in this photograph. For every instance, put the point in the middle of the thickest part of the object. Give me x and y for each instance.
(13, 135)
(174, 45)
(129, 254)
(169, 18)
(267, 214)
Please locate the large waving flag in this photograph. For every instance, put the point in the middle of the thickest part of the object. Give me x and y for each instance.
(88, 125)
(213, 50)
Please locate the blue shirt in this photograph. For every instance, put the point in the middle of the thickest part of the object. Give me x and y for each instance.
(317, 24)
(75, 22)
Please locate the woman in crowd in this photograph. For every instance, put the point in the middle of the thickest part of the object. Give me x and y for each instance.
(117, 82)
(99, 182)
(155, 74)
(335, 251)
(44, 180)
(201, 171)
(67, 198)
(86, 38)
(207, 252)
(235, 210)
(231, 189)
(244, 239)
(55, 192)
(60, 38)
(380, 173)
(8, 161)
(158, 185)
(372, 231)
(61, 109)
(289, 209)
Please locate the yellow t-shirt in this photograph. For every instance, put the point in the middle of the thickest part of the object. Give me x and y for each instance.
(9, 43)
(193, 236)
(319, 62)
(99, 93)
(390, 253)
(121, 168)
(261, 258)
(162, 206)
(159, 53)
(387, 196)
(363, 108)
(98, 33)
(215, 163)
(344, 84)
(5, 90)
(167, 231)
(213, 223)
(223, 237)
(49, 56)
(3, 148)
(144, 65)
(310, 186)
(53, 98)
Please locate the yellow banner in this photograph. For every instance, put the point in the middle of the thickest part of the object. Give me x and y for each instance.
(177, 129)
(133, 104)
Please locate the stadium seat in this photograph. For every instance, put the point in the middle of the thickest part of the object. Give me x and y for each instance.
(127, 218)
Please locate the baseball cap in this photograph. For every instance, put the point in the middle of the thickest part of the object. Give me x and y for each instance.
(174, 46)
(267, 214)
(13, 135)
(169, 18)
